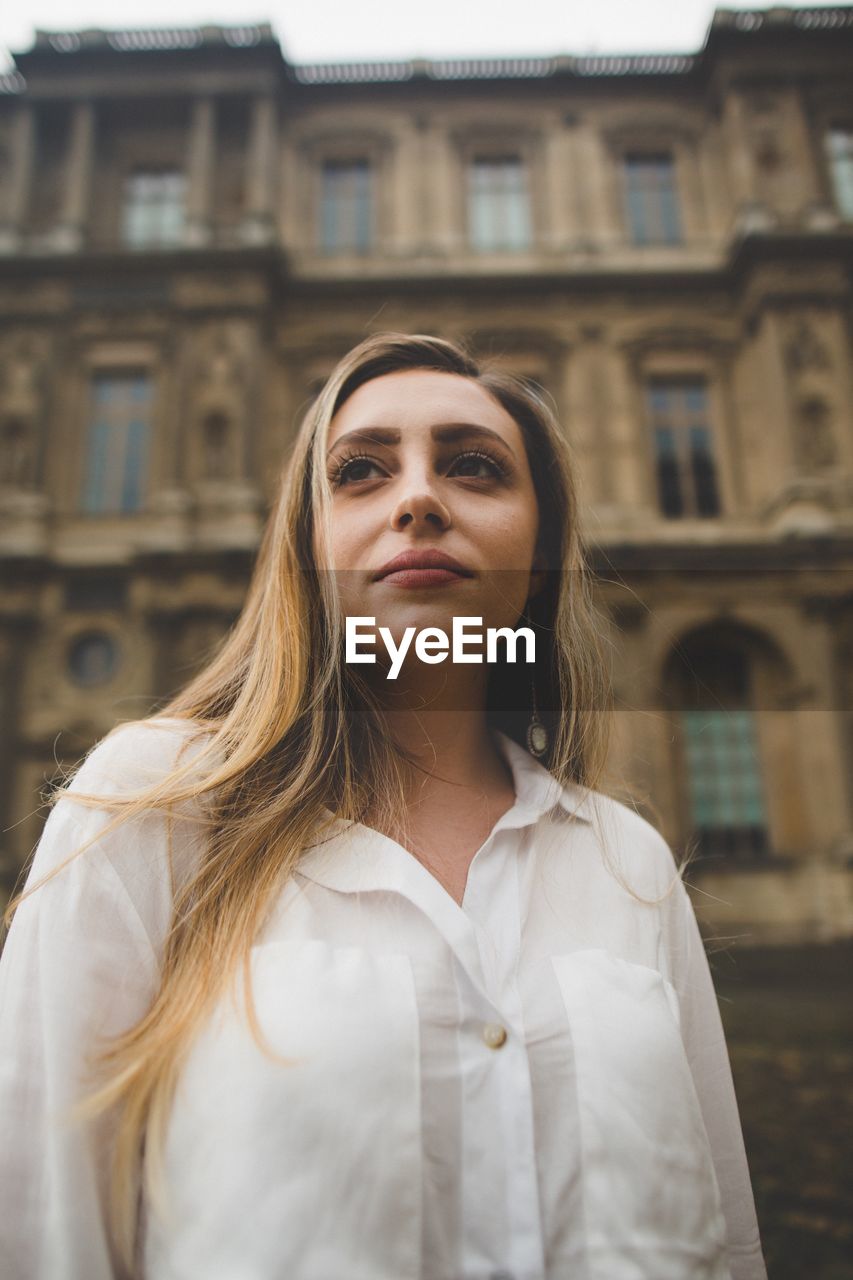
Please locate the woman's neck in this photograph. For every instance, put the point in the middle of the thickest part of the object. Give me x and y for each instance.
(452, 749)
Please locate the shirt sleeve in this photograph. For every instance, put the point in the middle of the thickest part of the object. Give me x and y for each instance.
(707, 1053)
(77, 969)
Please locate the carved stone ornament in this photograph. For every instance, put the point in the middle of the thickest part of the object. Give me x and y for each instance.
(769, 153)
(222, 365)
(22, 362)
(222, 376)
(804, 349)
(16, 452)
(216, 446)
(814, 435)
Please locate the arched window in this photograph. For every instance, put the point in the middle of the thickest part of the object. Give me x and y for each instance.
(711, 679)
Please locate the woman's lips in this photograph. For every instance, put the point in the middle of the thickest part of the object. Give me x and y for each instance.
(422, 577)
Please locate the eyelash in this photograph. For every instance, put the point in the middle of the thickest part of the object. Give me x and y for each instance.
(340, 468)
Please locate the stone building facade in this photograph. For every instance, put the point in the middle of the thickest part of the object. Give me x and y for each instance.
(192, 230)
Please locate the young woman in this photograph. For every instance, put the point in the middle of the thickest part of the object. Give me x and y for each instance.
(325, 975)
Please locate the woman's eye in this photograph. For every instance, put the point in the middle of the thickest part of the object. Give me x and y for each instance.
(473, 461)
(353, 469)
(476, 466)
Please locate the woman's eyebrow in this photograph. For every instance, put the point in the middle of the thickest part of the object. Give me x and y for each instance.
(444, 432)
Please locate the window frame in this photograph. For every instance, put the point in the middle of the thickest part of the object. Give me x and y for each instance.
(838, 126)
(499, 139)
(304, 158)
(84, 506)
(736, 842)
(681, 137)
(689, 353)
(501, 201)
(151, 172)
(345, 248)
(648, 240)
(686, 461)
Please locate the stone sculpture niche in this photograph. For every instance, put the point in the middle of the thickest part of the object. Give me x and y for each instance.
(21, 368)
(814, 434)
(221, 391)
(221, 403)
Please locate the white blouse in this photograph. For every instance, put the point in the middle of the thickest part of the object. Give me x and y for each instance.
(532, 1085)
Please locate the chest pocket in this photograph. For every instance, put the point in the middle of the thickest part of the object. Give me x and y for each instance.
(651, 1198)
(310, 1168)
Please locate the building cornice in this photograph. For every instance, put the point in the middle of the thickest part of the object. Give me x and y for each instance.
(732, 273)
(730, 29)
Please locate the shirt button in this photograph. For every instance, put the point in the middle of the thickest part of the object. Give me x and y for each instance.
(494, 1035)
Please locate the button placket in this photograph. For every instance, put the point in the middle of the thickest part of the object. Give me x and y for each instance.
(494, 902)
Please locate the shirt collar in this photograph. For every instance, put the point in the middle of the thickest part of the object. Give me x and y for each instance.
(538, 791)
(381, 864)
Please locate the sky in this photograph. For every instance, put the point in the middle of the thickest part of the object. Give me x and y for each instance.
(351, 30)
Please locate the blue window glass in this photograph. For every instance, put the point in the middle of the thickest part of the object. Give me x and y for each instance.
(346, 206)
(669, 488)
(839, 152)
(153, 213)
(695, 399)
(137, 438)
(658, 398)
(96, 471)
(704, 475)
(117, 445)
(726, 793)
(686, 472)
(651, 199)
(498, 203)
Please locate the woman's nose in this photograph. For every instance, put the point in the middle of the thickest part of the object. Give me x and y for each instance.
(419, 503)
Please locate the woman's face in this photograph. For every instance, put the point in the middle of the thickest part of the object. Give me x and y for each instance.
(421, 460)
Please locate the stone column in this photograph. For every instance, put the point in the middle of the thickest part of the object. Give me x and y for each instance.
(406, 237)
(601, 229)
(822, 739)
(560, 179)
(16, 198)
(694, 212)
(815, 209)
(713, 182)
(750, 213)
(585, 396)
(200, 158)
(71, 229)
(441, 198)
(258, 226)
(630, 484)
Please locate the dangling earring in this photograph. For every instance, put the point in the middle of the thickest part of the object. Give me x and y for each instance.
(537, 734)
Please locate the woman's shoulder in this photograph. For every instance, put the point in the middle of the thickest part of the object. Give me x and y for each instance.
(128, 858)
(632, 841)
(138, 754)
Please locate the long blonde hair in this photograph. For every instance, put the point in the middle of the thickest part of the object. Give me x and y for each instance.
(288, 734)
